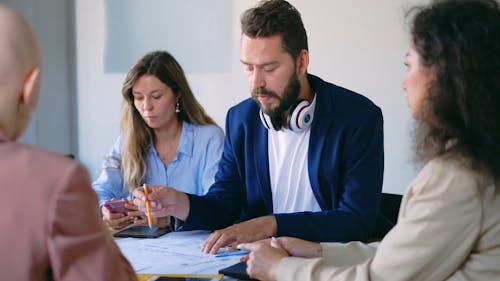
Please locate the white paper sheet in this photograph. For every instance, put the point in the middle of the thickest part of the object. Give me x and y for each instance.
(173, 253)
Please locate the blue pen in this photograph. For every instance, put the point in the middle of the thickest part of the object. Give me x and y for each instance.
(235, 253)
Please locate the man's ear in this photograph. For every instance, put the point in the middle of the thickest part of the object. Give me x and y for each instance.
(30, 88)
(302, 62)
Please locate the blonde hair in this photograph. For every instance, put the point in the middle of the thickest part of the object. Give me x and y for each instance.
(137, 135)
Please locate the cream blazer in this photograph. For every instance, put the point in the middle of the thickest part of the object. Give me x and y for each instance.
(448, 229)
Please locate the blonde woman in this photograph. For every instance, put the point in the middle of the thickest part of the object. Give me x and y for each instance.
(50, 203)
(166, 139)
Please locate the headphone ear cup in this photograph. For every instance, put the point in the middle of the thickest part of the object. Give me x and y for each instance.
(266, 120)
(301, 116)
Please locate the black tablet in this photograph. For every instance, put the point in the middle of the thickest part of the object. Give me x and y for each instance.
(142, 231)
(238, 271)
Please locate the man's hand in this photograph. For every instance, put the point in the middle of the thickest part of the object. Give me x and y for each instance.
(165, 201)
(161, 222)
(248, 231)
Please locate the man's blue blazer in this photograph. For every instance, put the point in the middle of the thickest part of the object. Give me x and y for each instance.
(346, 160)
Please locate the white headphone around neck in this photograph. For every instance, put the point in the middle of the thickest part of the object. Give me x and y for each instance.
(300, 118)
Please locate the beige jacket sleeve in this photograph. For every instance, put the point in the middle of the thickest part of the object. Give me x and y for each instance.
(79, 247)
(438, 224)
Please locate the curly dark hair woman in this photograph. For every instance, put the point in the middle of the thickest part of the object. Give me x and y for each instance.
(460, 41)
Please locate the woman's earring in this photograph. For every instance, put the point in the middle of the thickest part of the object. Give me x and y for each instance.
(177, 109)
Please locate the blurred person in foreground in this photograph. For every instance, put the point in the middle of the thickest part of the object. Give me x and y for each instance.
(50, 226)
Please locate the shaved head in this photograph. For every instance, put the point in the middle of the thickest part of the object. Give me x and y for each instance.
(19, 72)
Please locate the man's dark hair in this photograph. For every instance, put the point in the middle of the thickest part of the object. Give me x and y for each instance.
(276, 17)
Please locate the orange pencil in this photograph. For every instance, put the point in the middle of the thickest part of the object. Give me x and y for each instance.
(148, 206)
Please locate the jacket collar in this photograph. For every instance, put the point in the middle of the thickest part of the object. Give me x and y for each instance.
(186, 142)
(319, 129)
(261, 159)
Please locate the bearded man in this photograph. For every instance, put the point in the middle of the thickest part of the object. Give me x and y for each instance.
(302, 157)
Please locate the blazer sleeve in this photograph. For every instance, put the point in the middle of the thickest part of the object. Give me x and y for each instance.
(436, 231)
(79, 246)
(354, 195)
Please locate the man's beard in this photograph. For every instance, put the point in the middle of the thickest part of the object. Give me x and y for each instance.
(289, 98)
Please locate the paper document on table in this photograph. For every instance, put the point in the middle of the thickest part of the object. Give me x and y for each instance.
(173, 253)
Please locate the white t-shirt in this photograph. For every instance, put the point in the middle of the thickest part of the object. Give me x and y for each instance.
(288, 170)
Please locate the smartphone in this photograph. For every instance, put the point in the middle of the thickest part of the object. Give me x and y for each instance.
(116, 205)
(142, 231)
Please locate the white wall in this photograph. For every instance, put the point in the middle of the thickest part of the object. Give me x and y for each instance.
(356, 44)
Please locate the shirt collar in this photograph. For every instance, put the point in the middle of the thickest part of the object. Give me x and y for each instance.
(186, 142)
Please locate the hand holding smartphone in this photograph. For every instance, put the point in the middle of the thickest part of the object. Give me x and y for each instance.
(116, 206)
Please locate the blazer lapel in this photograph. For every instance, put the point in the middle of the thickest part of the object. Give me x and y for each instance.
(261, 163)
(319, 130)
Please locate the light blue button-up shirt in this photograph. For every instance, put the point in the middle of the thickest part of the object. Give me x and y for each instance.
(192, 169)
